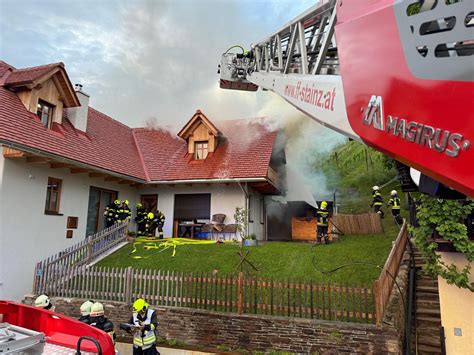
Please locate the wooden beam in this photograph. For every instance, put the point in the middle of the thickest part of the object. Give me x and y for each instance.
(124, 182)
(112, 178)
(36, 160)
(93, 175)
(12, 153)
(78, 171)
(59, 165)
(170, 185)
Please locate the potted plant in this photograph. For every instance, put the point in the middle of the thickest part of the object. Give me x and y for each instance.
(251, 240)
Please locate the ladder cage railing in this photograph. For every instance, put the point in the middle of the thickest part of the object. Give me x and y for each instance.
(305, 45)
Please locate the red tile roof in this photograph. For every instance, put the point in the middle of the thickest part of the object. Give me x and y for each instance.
(28, 75)
(148, 155)
(244, 151)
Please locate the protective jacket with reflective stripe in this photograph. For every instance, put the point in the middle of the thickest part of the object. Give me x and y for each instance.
(323, 215)
(377, 199)
(146, 338)
(395, 203)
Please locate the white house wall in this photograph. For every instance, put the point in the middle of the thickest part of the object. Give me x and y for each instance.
(27, 234)
(257, 219)
(224, 199)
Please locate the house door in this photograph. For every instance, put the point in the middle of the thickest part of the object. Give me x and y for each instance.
(98, 200)
(150, 202)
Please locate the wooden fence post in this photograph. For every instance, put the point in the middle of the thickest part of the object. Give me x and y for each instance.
(240, 285)
(89, 251)
(128, 285)
(378, 304)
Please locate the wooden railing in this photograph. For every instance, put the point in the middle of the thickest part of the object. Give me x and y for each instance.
(224, 293)
(78, 255)
(384, 284)
(272, 175)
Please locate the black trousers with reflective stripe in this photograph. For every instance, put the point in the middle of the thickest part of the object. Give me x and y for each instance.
(149, 351)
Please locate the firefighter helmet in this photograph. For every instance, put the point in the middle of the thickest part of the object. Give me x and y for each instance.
(117, 202)
(43, 301)
(375, 188)
(393, 192)
(86, 308)
(97, 310)
(138, 205)
(324, 204)
(125, 202)
(140, 305)
(150, 215)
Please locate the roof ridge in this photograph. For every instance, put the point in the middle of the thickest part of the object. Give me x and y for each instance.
(39, 66)
(11, 66)
(104, 115)
(140, 155)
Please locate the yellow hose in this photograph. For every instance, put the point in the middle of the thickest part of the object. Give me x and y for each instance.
(163, 244)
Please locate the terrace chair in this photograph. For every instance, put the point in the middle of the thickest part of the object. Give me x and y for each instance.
(230, 229)
(218, 225)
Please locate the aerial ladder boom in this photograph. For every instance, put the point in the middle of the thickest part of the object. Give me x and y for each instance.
(396, 75)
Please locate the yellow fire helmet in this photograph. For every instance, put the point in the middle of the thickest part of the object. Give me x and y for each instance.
(139, 205)
(97, 310)
(86, 308)
(125, 202)
(117, 202)
(324, 204)
(150, 215)
(140, 305)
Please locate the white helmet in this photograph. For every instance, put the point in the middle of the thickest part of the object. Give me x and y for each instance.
(43, 301)
(86, 308)
(393, 192)
(375, 188)
(97, 310)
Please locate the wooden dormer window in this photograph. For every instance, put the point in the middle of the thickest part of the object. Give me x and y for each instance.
(200, 150)
(45, 113)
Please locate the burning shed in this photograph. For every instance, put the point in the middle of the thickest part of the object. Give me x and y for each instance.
(294, 220)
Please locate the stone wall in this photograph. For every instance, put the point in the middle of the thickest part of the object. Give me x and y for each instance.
(248, 332)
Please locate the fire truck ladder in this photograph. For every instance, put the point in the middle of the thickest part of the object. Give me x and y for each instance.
(300, 63)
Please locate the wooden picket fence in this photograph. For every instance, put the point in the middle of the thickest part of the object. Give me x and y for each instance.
(229, 293)
(368, 223)
(78, 255)
(67, 276)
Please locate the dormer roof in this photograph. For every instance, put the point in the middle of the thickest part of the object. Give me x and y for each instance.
(194, 122)
(29, 78)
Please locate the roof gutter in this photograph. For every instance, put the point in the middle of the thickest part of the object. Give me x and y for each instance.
(208, 181)
(61, 159)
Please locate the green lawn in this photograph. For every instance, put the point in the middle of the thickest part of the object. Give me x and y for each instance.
(280, 260)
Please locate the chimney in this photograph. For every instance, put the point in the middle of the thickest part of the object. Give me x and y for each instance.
(78, 115)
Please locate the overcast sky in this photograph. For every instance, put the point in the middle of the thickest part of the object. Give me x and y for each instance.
(145, 59)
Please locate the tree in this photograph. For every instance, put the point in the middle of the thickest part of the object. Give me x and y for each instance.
(444, 219)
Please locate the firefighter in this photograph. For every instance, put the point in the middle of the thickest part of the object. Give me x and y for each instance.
(43, 301)
(140, 219)
(394, 202)
(145, 321)
(322, 220)
(160, 223)
(111, 213)
(124, 211)
(377, 201)
(98, 320)
(151, 222)
(86, 311)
